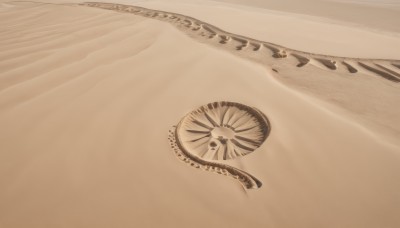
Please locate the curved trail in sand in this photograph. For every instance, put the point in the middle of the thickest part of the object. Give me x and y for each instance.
(88, 95)
(387, 69)
(344, 85)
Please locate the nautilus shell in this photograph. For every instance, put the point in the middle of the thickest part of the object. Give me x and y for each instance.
(220, 131)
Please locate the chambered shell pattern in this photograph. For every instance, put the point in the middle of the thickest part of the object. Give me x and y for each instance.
(220, 131)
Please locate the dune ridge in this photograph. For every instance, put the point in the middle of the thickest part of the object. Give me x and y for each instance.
(342, 81)
(214, 34)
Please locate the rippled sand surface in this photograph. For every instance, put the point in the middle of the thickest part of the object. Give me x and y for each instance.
(89, 95)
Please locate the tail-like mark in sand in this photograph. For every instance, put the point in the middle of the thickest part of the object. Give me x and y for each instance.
(256, 46)
(276, 52)
(220, 131)
(233, 42)
(388, 70)
(350, 68)
(331, 64)
(224, 39)
(188, 23)
(211, 32)
(197, 27)
(379, 72)
(396, 65)
(302, 60)
(243, 43)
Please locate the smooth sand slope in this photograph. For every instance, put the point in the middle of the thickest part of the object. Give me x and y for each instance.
(88, 96)
(341, 84)
(317, 26)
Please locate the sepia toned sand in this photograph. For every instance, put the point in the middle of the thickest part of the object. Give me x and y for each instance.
(89, 93)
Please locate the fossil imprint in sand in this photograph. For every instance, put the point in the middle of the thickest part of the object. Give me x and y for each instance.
(220, 131)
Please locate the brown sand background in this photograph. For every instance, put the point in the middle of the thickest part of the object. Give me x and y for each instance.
(87, 97)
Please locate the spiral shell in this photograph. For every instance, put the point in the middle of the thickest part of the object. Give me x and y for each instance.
(220, 131)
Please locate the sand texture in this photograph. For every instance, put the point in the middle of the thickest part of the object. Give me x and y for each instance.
(286, 62)
(121, 115)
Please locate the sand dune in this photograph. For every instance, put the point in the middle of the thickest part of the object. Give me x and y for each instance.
(91, 101)
(316, 26)
(285, 62)
(239, 42)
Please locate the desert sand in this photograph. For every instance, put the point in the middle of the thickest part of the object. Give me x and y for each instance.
(200, 113)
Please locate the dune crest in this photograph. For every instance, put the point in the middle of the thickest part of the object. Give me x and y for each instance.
(343, 81)
(231, 41)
